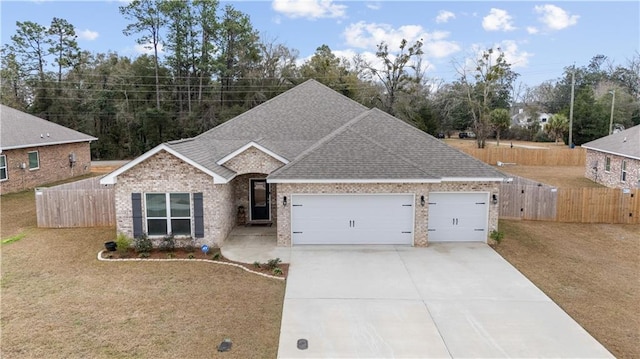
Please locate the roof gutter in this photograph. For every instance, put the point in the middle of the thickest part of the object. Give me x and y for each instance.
(610, 152)
(387, 180)
(4, 148)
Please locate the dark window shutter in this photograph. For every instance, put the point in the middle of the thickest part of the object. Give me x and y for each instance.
(198, 214)
(136, 205)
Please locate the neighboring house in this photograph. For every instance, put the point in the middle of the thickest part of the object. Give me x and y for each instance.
(34, 151)
(319, 166)
(524, 119)
(614, 160)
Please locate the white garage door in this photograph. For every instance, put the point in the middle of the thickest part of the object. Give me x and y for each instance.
(458, 216)
(352, 219)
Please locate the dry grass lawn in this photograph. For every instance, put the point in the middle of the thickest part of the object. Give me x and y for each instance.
(558, 176)
(491, 142)
(591, 270)
(572, 177)
(59, 301)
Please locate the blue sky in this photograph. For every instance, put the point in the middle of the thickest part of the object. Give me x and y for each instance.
(539, 38)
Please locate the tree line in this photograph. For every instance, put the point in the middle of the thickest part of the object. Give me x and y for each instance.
(215, 65)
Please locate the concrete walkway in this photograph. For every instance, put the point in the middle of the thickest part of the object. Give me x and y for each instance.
(458, 300)
(254, 243)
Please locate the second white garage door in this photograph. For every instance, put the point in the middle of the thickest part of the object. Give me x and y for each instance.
(458, 216)
(352, 219)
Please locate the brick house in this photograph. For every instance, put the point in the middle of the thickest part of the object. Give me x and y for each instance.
(320, 167)
(614, 160)
(34, 151)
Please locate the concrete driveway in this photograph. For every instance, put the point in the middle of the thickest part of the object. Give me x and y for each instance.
(459, 300)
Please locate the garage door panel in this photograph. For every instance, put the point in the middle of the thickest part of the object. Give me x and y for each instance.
(458, 216)
(352, 219)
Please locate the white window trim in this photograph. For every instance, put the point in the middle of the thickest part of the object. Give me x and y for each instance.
(29, 161)
(623, 171)
(6, 168)
(607, 163)
(168, 217)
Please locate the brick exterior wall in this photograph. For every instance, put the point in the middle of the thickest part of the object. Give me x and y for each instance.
(164, 173)
(252, 163)
(418, 189)
(241, 188)
(54, 166)
(252, 160)
(595, 170)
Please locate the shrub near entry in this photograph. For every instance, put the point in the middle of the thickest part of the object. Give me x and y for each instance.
(143, 244)
(123, 243)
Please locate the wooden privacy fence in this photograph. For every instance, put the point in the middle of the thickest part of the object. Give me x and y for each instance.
(598, 205)
(529, 157)
(84, 203)
(526, 199)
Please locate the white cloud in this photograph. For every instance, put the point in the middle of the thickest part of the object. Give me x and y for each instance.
(532, 30)
(555, 18)
(147, 49)
(364, 35)
(444, 16)
(87, 34)
(440, 49)
(497, 20)
(513, 55)
(310, 9)
(374, 5)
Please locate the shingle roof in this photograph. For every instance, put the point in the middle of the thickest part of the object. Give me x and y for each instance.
(377, 146)
(624, 143)
(288, 124)
(324, 135)
(19, 130)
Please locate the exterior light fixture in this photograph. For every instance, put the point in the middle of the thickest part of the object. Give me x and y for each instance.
(422, 200)
(494, 198)
(284, 201)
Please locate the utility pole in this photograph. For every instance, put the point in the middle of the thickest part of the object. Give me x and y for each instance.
(613, 102)
(573, 85)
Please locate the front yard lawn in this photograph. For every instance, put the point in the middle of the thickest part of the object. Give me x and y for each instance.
(59, 301)
(591, 270)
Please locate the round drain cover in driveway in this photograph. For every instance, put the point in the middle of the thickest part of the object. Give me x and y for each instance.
(302, 344)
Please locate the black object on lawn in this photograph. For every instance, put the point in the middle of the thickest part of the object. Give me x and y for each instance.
(225, 346)
(110, 246)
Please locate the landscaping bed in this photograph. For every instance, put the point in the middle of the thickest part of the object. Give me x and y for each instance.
(274, 267)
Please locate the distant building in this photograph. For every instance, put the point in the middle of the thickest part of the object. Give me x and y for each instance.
(524, 119)
(34, 151)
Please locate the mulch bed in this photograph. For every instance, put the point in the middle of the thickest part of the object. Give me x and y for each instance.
(183, 254)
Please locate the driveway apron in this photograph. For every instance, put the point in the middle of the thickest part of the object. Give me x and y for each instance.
(457, 300)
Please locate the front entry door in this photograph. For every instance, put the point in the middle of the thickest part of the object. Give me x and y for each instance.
(259, 199)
